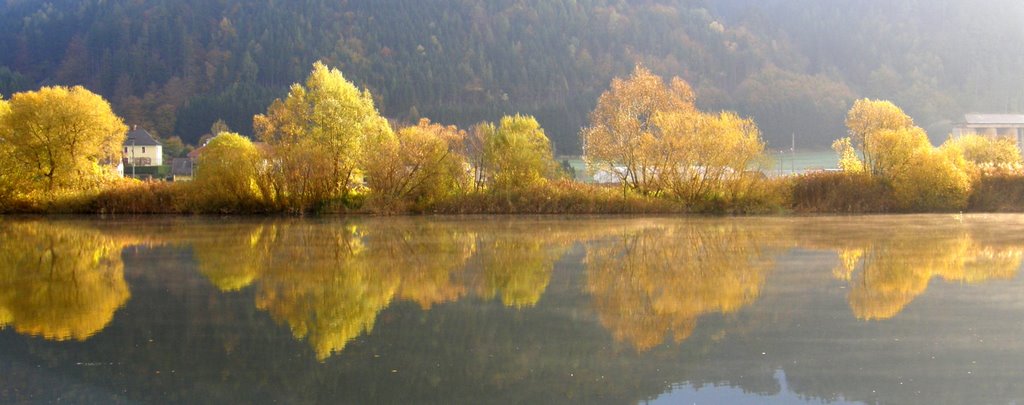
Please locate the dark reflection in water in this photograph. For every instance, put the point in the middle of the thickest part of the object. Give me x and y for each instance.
(328, 283)
(511, 310)
(59, 281)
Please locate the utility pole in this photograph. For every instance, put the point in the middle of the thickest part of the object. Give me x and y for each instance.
(792, 151)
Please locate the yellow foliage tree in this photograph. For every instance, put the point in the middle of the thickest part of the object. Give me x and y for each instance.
(900, 156)
(518, 154)
(226, 173)
(936, 180)
(706, 152)
(848, 160)
(622, 138)
(983, 150)
(419, 165)
(895, 151)
(59, 138)
(316, 136)
(13, 180)
(868, 117)
(653, 138)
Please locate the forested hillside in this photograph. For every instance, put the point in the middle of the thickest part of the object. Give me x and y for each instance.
(796, 66)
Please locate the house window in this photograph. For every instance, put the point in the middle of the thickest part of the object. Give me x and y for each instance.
(143, 149)
(125, 149)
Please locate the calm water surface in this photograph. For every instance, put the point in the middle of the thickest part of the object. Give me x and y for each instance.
(894, 309)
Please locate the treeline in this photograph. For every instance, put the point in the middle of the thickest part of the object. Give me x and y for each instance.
(175, 67)
(326, 148)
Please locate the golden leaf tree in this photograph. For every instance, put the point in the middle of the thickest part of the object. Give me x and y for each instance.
(869, 117)
(518, 154)
(421, 164)
(898, 154)
(226, 172)
(653, 139)
(316, 136)
(58, 138)
(982, 150)
(706, 152)
(13, 180)
(622, 138)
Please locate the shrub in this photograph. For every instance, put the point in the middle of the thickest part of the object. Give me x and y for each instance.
(226, 175)
(936, 181)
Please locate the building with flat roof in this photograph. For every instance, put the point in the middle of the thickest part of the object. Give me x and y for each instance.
(993, 125)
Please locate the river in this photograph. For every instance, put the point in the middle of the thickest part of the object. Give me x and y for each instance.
(861, 309)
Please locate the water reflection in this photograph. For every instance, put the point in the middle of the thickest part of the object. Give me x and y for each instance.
(659, 280)
(59, 281)
(647, 281)
(888, 270)
(328, 283)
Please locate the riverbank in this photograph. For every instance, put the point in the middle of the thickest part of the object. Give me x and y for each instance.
(810, 193)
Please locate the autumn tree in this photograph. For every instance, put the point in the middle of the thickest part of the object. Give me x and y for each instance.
(316, 136)
(623, 139)
(226, 172)
(13, 181)
(886, 146)
(518, 154)
(867, 119)
(985, 150)
(59, 138)
(706, 153)
(420, 164)
(653, 139)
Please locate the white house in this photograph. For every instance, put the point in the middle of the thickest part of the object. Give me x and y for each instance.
(141, 149)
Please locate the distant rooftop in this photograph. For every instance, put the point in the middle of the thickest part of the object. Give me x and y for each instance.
(994, 119)
(139, 137)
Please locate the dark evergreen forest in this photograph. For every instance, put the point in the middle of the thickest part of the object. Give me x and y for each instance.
(795, 66)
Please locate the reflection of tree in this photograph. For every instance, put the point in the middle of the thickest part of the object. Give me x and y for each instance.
(59, 281)
(887, 273)
(431, 259)
(328, 282)
(661, 279)
(517, 266)
(321, 282)
(232, 257)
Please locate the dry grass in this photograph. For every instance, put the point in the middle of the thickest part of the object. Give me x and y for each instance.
(997, 193)
(838, 192)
